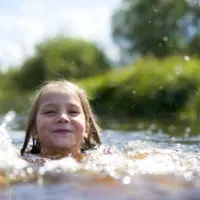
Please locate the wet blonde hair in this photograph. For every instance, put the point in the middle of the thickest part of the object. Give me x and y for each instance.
(94, 130)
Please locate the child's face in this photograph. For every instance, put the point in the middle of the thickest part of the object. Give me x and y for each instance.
(60, 121)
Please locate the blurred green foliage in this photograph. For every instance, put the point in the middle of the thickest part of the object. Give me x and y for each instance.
(57, 57)
(157, 27)
(11, 98)
(167, 88)
(158, 85)
(61, 57)
(150, 88)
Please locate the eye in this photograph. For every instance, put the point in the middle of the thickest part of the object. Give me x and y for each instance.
(74, 111)
(47, 112)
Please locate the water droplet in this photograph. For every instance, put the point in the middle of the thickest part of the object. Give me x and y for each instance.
(42, 171)
(187, 58)
(134, 92)
(155, 10)
(29, 170)
(165, 38)
(126, 180)
(153, 127)
(187, 129)
(140, 125)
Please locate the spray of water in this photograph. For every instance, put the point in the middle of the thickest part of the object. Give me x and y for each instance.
(5, 141)
(8, 154)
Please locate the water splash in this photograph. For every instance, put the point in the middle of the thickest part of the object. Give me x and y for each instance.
(8, 154)
(5, 141)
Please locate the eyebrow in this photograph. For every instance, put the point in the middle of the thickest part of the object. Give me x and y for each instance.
(48, 105)
(55, 105)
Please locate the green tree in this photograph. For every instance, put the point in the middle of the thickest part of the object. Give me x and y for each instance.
(31, 73)
(61, 57)
(71, 58)
(157, 27)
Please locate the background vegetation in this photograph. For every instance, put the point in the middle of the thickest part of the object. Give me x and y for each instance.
(160, 77)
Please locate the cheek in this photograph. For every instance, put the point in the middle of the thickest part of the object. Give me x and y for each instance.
(42, 124)
(81, 125)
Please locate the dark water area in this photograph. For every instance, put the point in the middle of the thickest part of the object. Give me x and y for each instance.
(148, 161)
(169, 126)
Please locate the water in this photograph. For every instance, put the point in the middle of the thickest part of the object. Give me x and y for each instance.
(136, 165)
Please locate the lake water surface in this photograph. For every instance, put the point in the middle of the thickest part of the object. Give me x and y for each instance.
(147, 164)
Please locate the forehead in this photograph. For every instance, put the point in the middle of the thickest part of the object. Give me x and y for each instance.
(58, 93)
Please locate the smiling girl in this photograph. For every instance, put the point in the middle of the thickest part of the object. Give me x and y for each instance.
(61, 122)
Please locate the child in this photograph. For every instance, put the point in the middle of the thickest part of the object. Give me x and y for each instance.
(61, 122)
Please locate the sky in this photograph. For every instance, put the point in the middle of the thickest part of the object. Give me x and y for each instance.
(25, 23)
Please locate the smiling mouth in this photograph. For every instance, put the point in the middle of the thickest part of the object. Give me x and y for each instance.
(62, 131)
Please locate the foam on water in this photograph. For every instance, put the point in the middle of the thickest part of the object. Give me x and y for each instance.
(64, 164)
(133, 154)
(134, 157)
(143, 154)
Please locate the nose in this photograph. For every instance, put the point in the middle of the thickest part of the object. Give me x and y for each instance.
(63, 117)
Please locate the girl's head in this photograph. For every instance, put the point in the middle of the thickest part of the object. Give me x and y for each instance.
(61, 121)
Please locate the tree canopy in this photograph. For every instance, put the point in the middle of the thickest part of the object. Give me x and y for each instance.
(157, 27)
(61, 57)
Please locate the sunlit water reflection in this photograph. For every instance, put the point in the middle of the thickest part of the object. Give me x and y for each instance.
(130, 165)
